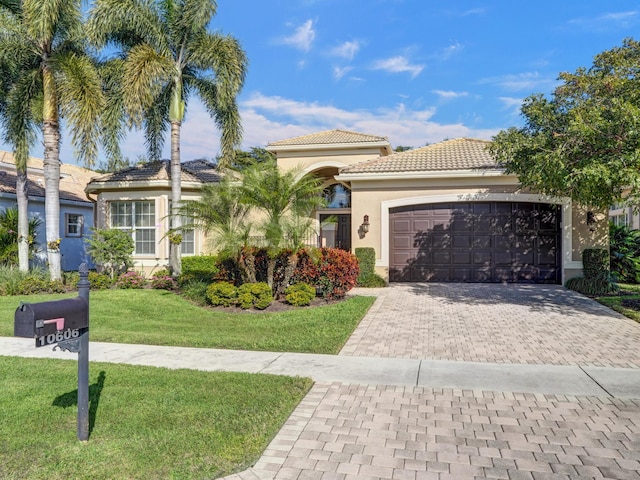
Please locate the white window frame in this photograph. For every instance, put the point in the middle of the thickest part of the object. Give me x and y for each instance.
(79, 224)
(138, 231)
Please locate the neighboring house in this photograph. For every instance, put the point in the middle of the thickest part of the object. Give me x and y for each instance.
(445, 212)
(137, 200)
(76, 212)
(622, 214)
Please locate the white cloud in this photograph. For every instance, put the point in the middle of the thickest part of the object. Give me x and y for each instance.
(474, 11)
(449, 94)
(529, 81)
(339, 72)
(267, 119)
(449, 51)
(302, 38)
(398, 64)
(347, 50)
(607, 21)
(511, 102)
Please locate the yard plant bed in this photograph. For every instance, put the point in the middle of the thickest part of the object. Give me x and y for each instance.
(145, 422)
(158, 317)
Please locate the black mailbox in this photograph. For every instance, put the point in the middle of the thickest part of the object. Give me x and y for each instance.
(33, 320)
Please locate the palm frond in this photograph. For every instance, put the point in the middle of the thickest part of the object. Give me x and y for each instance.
(156, 123)
(79, 89)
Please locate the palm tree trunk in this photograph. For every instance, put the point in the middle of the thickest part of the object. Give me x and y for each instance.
(23, 219)
(51, 134)
(175, 263)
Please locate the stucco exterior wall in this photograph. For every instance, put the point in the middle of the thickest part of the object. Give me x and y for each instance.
(375, 199)
(310, 160)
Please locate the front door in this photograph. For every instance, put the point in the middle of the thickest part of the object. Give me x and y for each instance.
(335, 230)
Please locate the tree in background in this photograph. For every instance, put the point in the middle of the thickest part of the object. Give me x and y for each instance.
(51, 76)
(112, 249)
(583, 141)
(168, 56)
(9, 236)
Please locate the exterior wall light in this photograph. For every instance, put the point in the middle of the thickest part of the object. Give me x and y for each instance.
(365, 224)
(591, 220)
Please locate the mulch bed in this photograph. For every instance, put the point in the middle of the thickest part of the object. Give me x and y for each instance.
(631, 303)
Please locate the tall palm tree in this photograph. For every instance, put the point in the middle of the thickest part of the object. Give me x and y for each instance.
(169, 55)
(55, 78)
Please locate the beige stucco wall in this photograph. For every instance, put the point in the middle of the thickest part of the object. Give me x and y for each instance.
(375, 198)
(148, 263)
(311, 160)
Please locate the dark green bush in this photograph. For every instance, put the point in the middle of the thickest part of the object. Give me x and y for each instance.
(199, 267)
(366, 260)
(624, 253)
(257, 295)
(100, 281)
(300, 294)
(597, 278)
(371, 280)
(196, 291)
(222, 293)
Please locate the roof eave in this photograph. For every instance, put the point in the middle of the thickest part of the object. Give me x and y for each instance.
(95, 187)
(412, 175)
(329, 146)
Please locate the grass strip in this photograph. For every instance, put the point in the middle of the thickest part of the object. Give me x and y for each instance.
(157, 317)
(145, 422)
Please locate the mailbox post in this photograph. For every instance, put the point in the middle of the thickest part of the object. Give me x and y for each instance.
(64, 324)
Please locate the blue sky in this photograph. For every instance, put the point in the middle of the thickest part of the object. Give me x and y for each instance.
(416, 71)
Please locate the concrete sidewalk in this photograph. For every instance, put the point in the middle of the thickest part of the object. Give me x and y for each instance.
(406, 372)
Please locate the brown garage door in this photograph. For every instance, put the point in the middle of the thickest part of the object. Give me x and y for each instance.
(475, 242)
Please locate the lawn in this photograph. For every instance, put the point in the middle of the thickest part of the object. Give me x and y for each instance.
(627, 302)
(145, 422)
(158, 317)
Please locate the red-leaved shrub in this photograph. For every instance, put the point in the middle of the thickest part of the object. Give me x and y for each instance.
(334, 270)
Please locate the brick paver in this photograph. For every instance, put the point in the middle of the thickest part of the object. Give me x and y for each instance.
(346, 432)
(373, 432)
(534, 324)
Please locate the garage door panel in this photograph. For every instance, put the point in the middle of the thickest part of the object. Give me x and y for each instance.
(476, 242)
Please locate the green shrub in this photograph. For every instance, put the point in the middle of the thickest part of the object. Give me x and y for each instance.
(257, 295)
(100, 281)
(162, 280)
(366, 261)
(112, 248)
(624, 253)
(371, 280)
(36, 284)
(196, 291)
(10, 279)
(199, 267)
(222, 293)
(300, 294)
(71, 279)
(597, 278)
(131, 280)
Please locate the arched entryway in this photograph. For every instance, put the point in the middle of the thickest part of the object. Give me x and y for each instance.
(335, 217)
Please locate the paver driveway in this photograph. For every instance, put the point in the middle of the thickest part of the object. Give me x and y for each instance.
(535, 324)
(379, 431)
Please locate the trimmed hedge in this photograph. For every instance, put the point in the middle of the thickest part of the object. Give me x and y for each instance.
(597, 277)
(299, 294)
(255, 295)
(199, 267)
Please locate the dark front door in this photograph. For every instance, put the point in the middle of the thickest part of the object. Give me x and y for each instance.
(336, 230)
(475, 242)
(343, 232)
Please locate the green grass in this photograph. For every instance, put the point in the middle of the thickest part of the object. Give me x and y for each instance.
(627, 292)
(145, 422)
(157, 317)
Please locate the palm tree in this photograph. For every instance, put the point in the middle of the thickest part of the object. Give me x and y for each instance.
(287, 199)
(41, 42)
(168, 56)
(9, 237)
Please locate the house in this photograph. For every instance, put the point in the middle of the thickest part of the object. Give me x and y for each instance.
(137, 199)
(76, 212)
(445, 212)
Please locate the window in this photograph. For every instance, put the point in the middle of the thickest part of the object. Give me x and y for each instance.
(337, 196)
(73, 224)
(188, 243)
(140, 219)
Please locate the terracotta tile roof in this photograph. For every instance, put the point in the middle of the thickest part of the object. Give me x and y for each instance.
(329, 137)
(456, 154)
(197, 171)
(72, 182)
